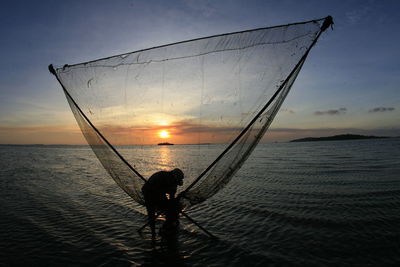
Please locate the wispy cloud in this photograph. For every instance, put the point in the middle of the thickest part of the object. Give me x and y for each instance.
(40, 129)
(381, 109)
(60, 134)
(356, 15)
(181, 132)
(179, 128)
(339, 111)
(203, 6)
(286, 110)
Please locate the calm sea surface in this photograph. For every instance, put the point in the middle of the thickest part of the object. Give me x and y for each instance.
(291, 204)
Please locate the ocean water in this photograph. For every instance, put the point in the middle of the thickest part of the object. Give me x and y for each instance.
(291, 204)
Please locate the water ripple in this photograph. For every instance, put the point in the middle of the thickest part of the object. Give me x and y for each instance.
(330, 204)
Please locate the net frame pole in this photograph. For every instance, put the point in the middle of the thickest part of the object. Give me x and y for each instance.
(327, 22)
(201, 38)
(52, 70)
(187, 217)
(198, 225)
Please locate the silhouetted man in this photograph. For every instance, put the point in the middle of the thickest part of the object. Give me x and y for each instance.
(155, 192)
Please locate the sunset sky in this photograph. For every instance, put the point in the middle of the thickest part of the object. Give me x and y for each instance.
(349, 84)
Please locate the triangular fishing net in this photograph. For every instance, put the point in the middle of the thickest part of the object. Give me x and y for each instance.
(213, 97)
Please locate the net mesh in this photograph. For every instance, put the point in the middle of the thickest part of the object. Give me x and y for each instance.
(213, 97)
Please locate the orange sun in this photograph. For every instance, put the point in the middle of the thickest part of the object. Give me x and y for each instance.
(163, 134)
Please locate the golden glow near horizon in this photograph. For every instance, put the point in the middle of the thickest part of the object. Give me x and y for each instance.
(164, 134)
(163, 123)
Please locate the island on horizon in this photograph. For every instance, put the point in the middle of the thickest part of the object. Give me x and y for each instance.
(165, 144)
(339, 137)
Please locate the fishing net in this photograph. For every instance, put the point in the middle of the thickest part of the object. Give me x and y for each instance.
(213, 97)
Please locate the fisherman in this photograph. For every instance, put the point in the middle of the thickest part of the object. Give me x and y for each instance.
(159, 194)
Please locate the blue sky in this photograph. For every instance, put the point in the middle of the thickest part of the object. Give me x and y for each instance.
(350, 82)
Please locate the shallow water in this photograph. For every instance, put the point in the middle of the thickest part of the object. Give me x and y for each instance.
(292, 204)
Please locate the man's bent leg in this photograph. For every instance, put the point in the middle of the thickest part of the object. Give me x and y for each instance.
(151, 213)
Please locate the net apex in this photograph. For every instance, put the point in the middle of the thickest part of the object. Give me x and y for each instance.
(327, 22)
(52, 70)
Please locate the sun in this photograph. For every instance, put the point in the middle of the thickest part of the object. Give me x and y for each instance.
(163, 134)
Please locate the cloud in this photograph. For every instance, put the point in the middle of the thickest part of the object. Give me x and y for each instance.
(286, 110)
(356, 15)
(203, 6)
(348, 130)
(331, 112)
(39, 129)
(176, 129)
(381, 109)
(60, 134)
(182, 132)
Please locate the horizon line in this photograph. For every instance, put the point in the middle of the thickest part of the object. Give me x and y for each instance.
(194, 144)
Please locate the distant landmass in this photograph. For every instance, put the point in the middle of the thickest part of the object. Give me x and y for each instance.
(338, 138)
(165, 144)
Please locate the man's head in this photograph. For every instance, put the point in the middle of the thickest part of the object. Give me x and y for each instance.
(178, 174)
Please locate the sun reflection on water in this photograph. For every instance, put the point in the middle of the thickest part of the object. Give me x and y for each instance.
(165, 157)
